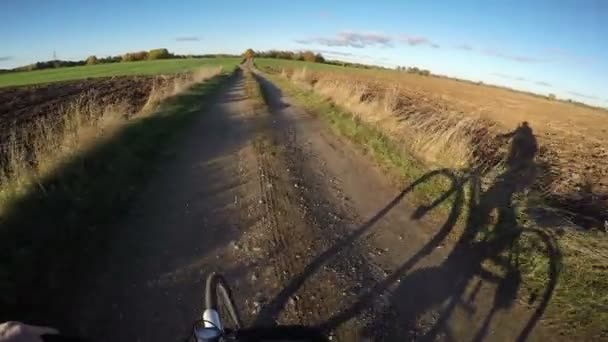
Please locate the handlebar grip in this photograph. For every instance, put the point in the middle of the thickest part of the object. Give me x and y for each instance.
(63, 338)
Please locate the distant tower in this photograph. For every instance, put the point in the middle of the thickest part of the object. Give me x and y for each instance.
(54, 55)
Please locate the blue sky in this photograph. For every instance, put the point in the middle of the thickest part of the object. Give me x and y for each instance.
(546, 47)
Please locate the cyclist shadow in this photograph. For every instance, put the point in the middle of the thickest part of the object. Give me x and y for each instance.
(485, 238)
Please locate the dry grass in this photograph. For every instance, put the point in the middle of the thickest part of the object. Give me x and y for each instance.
(37, 150)
(161, 90)
(449, 123)
(438, 138)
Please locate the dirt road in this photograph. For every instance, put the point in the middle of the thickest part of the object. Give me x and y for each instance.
(306, 229)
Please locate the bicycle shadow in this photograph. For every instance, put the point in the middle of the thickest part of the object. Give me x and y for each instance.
(485, 238)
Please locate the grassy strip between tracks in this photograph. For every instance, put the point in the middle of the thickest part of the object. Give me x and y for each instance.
(573, 268)
(51, 232)
(254, 92)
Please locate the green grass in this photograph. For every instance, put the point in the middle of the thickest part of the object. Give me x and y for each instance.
(276, 65)
(579, 303)
(165, 66)
(58, 228)
(273, 63)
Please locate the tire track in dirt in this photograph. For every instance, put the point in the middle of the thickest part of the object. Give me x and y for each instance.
(289, 238)
(315, 279)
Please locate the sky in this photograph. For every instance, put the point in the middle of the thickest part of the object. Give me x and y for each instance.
(555, 46)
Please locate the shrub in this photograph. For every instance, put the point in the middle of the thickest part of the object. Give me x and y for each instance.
(159, 54)
(418, 71)
(248, 54)
(319, 58)
(109, 59)
(551, 96)
(308, 56)
(135, 56)
(91, 60)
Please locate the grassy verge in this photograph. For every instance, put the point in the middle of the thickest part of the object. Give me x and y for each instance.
(371, 139)
(165, 66)
(52, 231)
(569, 268)
(264, 143)
(254, 91)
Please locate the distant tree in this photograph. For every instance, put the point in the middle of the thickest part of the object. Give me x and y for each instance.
(551, 96)
(308, 56)
(91, 60)
(109, 59)
(135, 56)
(248, 54)
(319, 58)
(159, 54)
(285, 55)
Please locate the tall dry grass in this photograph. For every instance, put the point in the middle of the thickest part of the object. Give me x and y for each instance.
(162, 90)
(33, 151)
(438, 138)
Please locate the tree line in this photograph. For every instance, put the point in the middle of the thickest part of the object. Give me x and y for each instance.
(307, 56)
(414, 70)
(154, 54)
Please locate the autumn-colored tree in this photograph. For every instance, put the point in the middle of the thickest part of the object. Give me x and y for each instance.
(308, 56)
(135, 56)
(91, 60)
(248, 54)
(159, 54)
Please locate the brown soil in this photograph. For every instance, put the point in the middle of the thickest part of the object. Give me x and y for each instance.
(20, 106)
(23, 107)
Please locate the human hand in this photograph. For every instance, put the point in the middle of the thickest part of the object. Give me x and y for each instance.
(19, 332)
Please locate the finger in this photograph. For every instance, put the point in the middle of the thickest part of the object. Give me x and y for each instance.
(36, 330)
